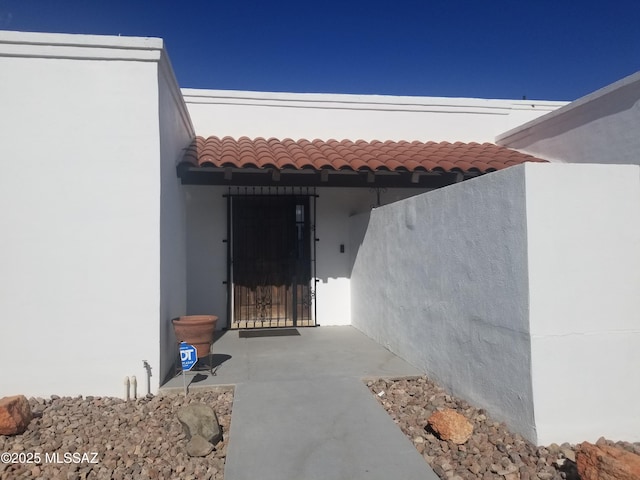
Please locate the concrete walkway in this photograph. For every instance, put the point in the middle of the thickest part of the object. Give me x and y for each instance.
(302, 412)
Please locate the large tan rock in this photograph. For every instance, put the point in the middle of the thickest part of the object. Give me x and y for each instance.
(604, 462)
(450, 425)
(200, 419)
(15, 415)
(198, 447)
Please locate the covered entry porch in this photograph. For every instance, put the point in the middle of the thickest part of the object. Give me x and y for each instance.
(268, 221)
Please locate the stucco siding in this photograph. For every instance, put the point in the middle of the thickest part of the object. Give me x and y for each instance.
(206, 252)
(441, 280)
(367, 117)
(176, 133)
(516, 290)
(584, 274)
(79, 205)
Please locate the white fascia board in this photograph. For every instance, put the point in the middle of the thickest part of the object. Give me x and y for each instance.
(577, 108)
(63, 45)
(363, 102)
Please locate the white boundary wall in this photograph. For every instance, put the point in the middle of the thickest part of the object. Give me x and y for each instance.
(518, 291)
(583, 225)
(85, 234)
(367, 117)
(441, 280)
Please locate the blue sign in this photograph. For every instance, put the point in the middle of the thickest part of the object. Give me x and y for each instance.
(188, 356)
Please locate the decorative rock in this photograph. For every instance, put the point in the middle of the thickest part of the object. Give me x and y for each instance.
(199, 419)
(568, 453)
(606, 462)
(15, 415)
(475, 468)
(199, 447)
(509, 469)
(554, 448)
(450, 425)
(139, 439)
(492, 452)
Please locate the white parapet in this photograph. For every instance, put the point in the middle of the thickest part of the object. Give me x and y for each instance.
(366, 117)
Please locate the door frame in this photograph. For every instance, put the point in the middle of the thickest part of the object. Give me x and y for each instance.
(310, 195)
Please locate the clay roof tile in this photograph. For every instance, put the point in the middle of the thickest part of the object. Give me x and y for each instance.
(354, 155)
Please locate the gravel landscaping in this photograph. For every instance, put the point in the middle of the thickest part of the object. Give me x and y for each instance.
(492, 452)
(109, 438)
(138, 439)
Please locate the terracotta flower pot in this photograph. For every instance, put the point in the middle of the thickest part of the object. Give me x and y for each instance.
(196, 330)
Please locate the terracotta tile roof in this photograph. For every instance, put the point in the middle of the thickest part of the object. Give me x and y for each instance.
(350, 155)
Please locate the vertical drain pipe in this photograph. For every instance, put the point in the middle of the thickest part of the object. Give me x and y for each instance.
(126, 388)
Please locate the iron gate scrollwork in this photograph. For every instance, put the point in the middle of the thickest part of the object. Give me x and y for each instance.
(271, 256)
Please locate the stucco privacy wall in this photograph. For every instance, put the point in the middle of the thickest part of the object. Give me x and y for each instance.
(518, 291)
(601, 127)
(81, 212)
(583, 224)
(367, 117)
(441, 280)
(207, 252)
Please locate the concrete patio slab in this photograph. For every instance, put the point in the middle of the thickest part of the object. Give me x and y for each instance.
(302, 411)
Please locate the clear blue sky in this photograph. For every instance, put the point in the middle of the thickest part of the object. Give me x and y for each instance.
(544, 49)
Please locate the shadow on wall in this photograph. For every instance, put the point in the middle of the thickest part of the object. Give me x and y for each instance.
(334, 223)
(358, 225)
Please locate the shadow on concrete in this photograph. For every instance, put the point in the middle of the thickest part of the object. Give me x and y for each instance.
(199, 377)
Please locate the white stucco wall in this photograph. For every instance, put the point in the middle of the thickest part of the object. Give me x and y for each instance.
(367, 117)
(81, 212)
(333, 268)
(207, 252)
(601, 127)
(176, 133)
(441, 280)
(517, 290)
(583, 224)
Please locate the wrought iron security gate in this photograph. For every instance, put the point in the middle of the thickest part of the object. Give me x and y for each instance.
(271, 257)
